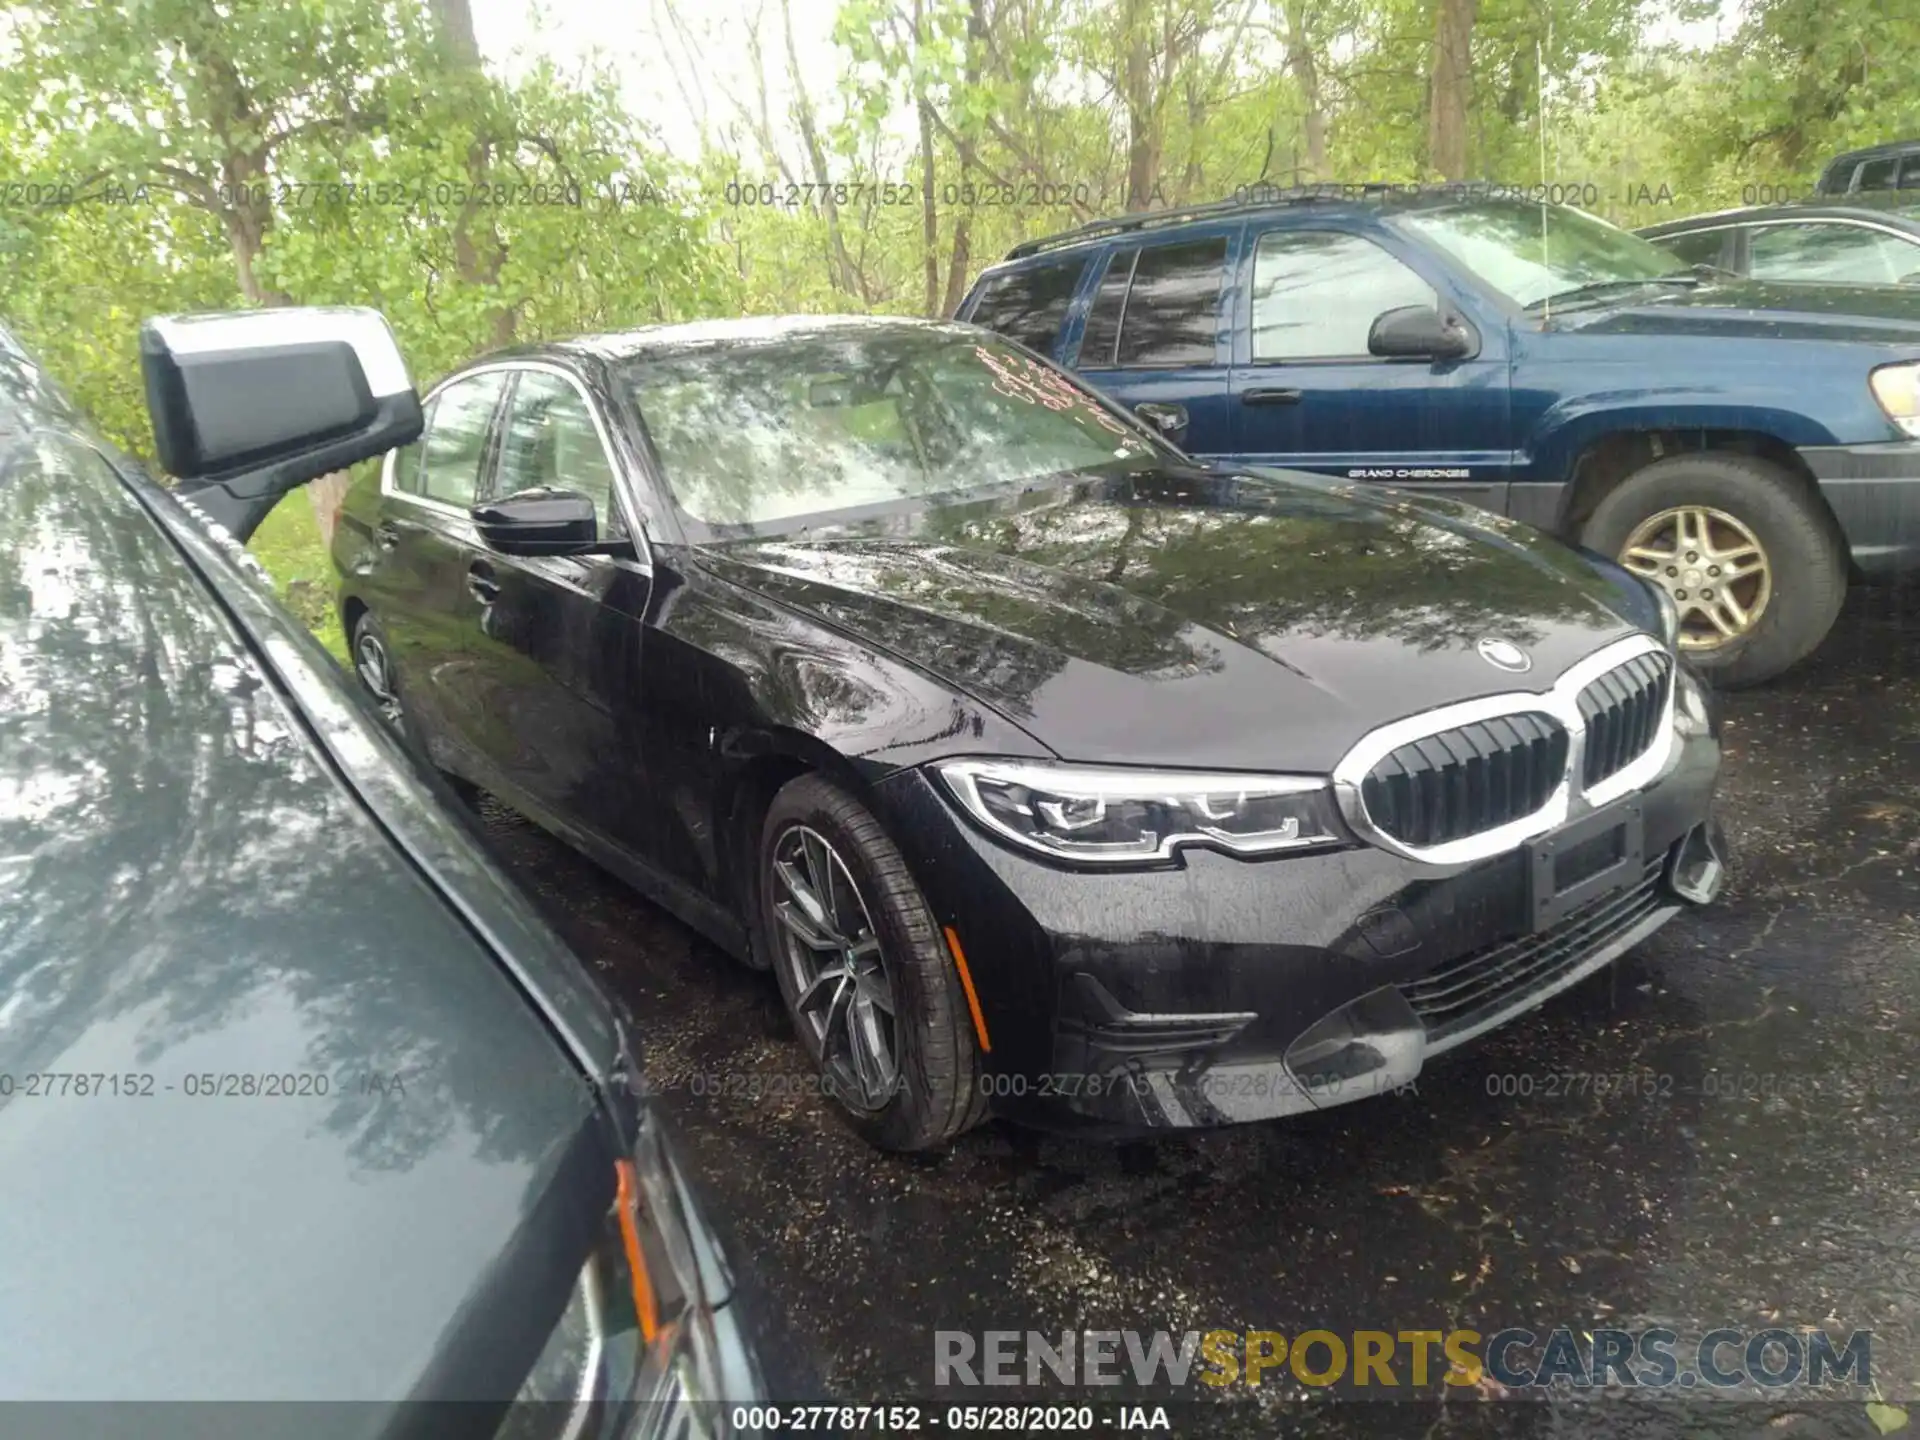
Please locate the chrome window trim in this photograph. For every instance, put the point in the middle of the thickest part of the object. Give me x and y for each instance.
(1561, 701)
(635, 532)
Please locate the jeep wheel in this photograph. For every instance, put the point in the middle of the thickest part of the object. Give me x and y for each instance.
(1752, 561)
(867, 980)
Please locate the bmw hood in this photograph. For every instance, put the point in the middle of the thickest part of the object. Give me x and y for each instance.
(1187, 617)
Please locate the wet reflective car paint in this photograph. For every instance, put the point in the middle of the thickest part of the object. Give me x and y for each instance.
(1179, 616)
(302, 1100)
(173, 846)
(1160, 613)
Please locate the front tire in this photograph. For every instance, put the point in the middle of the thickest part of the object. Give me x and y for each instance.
(866, 978)
(373, 668)
(1754, 563)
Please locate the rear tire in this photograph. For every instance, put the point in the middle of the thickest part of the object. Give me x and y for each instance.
(373, 667)
(1714, 507)
(817, 840)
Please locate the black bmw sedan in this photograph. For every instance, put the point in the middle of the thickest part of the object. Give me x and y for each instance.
(300, 1103)
(1049, 771)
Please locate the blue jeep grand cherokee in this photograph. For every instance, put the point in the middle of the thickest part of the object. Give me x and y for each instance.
(1748, 447)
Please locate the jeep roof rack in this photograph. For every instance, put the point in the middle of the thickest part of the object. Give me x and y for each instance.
(1257, 196)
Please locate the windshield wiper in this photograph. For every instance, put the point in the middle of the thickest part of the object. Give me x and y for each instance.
(1597, 289)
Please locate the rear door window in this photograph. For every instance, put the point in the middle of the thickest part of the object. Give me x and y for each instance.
(1029, 305)
(1171, 315)
(1835, 253)
(1101, 335)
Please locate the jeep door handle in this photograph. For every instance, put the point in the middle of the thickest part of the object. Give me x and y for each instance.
(481, 584)
(1269, 397)
(386, 535)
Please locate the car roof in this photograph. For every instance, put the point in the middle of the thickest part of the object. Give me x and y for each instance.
(1899, 206)
(1359, 201)
(654, 341)
(1874, 152)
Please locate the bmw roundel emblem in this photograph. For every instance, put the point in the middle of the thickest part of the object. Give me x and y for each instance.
(1504, 655)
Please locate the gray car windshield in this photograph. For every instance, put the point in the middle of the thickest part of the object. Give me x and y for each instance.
(1546, 254)
(835, 420)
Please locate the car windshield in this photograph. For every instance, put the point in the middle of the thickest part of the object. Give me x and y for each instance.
(834, 419)
(1540, 254)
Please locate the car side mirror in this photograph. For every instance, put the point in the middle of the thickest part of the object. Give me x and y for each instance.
(248, 405)
(1419, 332)
(539, 522)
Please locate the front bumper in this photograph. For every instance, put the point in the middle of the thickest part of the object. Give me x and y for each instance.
(1221, 990)
(1874, 491)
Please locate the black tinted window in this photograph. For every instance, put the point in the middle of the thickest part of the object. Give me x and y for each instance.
(1702, 247)
(1102, 331)
(1878, 174)
(550, 441)
(1173, 309)
(1316, 293)
(1029, 305)
(450, 454)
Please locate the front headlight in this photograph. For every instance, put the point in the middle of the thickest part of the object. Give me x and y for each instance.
(1116, 815)
(1897, 388)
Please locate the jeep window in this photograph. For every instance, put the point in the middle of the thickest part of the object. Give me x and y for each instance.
(1173, 308)
(1833, 253)
(1304, 286)
(1029, 305)
(450, 455)
(1536, 254)
(1101, 336)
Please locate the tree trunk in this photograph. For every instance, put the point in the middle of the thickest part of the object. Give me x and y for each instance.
(1452, 82)
(960, 262)
(1305, 71)
(1136, 88)
(929, 217)
(929, 214)
(479, 250)
(847, 277)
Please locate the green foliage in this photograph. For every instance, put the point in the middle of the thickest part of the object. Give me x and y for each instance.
(208, 155)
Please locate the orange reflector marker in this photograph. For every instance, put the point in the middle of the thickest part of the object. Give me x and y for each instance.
(628, 1200)
(966, 984)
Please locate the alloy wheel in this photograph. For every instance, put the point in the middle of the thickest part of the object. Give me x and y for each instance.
(1711, 564)
(370, 662)
(842, 989)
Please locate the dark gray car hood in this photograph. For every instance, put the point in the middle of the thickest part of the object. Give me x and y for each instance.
(187, 894)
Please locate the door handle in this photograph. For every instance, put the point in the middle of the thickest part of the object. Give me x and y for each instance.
(1170, 420)
(481, 584)
(386, 535)
(1269, 397)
